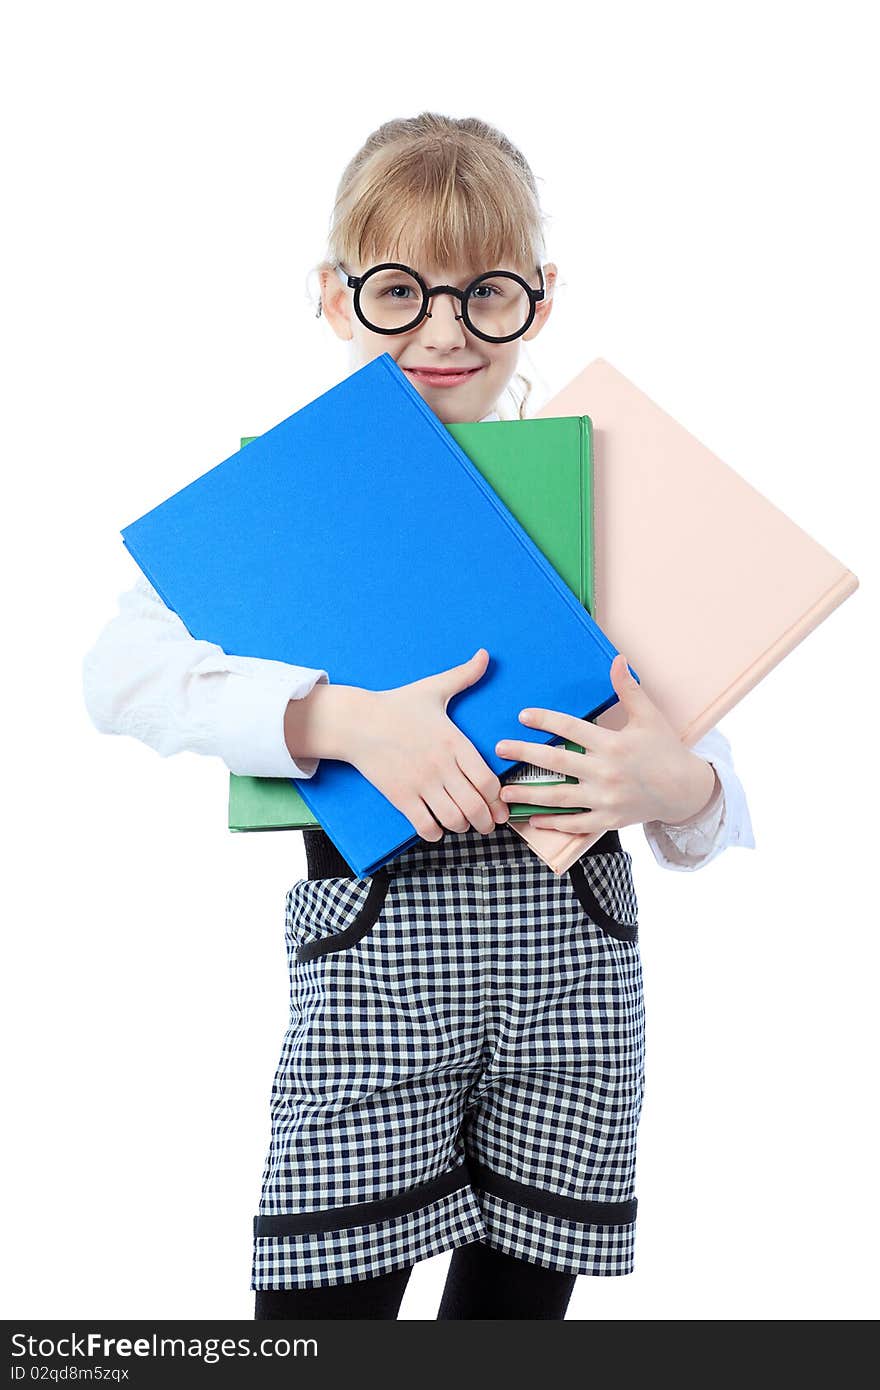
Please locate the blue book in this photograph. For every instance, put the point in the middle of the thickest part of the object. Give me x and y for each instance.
(357, 536)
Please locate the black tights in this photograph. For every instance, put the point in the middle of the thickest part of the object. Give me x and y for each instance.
(481, 1283)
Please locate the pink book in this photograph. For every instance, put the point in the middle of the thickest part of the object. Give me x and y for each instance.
(700, 581)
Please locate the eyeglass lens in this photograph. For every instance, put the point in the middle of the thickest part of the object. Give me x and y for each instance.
(496, 305)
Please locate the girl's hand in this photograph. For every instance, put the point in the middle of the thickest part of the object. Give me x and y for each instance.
(626, 776)
(409, 748)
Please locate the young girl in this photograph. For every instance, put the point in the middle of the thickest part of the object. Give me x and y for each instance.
(464, 1064)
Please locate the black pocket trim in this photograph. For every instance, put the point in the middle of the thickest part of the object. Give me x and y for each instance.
(587, 898)
(365, 1213)
(355, 930)
(589, 1213)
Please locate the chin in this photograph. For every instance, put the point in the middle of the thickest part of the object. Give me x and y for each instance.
(450, 415)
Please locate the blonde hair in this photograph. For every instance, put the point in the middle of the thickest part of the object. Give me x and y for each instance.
(438, 187)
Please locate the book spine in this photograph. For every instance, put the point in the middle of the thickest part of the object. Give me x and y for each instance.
(582, 500)
(588, 525)
(841, 589)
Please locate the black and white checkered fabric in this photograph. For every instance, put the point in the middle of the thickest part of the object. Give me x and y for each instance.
(464, 1061)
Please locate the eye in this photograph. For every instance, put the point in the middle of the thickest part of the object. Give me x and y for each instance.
(491, 291)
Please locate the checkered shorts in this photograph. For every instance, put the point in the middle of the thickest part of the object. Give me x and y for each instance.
(464, 1061)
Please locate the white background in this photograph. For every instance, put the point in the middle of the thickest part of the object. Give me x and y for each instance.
(707, 171)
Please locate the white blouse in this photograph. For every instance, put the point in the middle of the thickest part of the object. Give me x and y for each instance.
(146, 676)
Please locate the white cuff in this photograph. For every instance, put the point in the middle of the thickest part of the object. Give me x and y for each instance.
(249, 714)
(724, 821)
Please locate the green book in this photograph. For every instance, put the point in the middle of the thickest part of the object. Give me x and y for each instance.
(542, 470)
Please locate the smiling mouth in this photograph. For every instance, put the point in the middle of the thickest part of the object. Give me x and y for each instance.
(442, 376)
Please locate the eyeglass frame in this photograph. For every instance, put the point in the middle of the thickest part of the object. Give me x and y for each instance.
(355, 282)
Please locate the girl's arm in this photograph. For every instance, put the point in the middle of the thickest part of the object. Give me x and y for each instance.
(148, 677)
(722, 822)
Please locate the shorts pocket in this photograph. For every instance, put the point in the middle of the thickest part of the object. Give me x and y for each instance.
(603, 885)
(333, 914)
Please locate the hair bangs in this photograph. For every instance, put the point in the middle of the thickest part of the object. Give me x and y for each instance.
(469, 214)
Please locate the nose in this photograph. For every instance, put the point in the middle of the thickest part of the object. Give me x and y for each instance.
(442, 327)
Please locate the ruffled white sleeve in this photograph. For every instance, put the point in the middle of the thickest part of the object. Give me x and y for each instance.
(722, 822)
(148, 677)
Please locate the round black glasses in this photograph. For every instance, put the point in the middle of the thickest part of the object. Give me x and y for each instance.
(393, 298)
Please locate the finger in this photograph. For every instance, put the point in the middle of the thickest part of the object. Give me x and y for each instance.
(423, 823)
(582, 731)
(480, 775)
(458, 678)
(447, 811)
(552, 757)
(471, 803)
(579, 823)
(552, 794)
(477, 770)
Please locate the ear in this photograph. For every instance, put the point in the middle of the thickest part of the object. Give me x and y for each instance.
(337, 304)
(543, 309)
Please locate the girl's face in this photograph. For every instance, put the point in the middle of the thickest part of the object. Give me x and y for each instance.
(460, 376)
